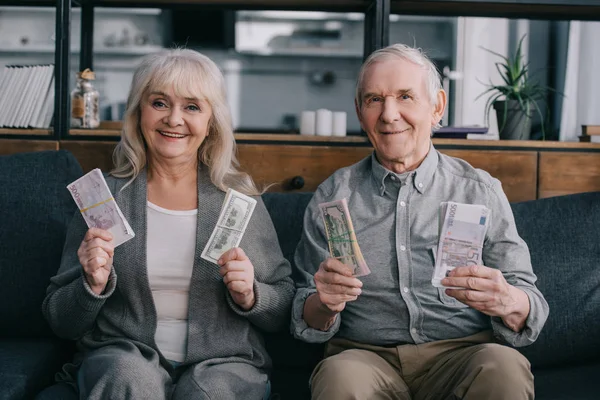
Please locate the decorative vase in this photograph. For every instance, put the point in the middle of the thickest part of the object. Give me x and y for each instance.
(517, 123)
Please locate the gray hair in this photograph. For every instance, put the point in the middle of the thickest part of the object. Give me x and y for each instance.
(414, 55)
(190, 74)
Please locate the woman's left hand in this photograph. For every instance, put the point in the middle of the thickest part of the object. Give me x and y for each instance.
(238, 274)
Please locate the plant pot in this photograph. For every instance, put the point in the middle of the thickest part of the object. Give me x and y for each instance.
(517, 124)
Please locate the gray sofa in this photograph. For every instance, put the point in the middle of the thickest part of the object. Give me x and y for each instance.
(563, 234)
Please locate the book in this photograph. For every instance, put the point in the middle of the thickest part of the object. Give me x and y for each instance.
(46, 86)
(590, 130)
(459, 132)
(589, 139)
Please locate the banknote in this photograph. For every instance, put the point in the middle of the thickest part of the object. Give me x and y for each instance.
(341, 236)
(98, 207)
(235, 214)
(462, 232)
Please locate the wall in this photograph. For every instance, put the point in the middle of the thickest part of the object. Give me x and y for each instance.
(263, 90)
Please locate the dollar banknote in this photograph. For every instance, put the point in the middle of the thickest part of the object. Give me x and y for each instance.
(98, 207)
(235, 214)
(341, 236)
(462, 232)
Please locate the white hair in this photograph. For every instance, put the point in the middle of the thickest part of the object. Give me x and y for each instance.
(433, 81)
(189, 74)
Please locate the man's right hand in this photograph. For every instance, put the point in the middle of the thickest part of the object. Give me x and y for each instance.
(96, 257)
(335, 285)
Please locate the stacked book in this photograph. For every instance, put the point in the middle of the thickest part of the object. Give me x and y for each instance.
(27, 96)
(464, 132)
(590, 133)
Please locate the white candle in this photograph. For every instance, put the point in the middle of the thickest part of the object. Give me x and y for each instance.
(339, 123)
(307, 123)
(324, 122)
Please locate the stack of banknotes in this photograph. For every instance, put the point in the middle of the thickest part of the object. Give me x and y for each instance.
(98, 207)
(235, 214)
(341, 236)
(462, 232)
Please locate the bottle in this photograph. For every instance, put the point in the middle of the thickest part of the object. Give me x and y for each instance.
(85, 110)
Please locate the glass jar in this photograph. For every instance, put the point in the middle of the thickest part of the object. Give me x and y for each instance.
(85, 110)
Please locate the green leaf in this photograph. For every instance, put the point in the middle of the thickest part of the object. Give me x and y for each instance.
(516, 84)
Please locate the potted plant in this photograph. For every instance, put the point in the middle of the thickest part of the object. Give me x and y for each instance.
(516, 99)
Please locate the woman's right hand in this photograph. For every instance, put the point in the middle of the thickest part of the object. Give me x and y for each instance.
(96, 257)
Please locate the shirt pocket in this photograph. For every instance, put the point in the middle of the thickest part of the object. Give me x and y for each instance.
(446, 300)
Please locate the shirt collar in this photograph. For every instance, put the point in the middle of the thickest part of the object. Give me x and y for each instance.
(420, 178)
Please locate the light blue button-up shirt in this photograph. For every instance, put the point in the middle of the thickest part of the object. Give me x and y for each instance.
(396, 218)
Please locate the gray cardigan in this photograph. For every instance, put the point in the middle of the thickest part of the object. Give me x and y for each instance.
(218, 329)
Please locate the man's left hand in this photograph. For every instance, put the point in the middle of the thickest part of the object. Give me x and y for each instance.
(486, 290)
(238, 275)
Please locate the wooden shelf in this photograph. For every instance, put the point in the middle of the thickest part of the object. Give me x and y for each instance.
(112, 129)
(108, 51)
(13, 131)
(28, 3)
(95, 132)
(516, 144)
(273, 137)
(540, 9)
(317, 5)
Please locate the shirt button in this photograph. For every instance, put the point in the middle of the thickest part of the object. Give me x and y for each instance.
(420, 185)
(392, 177)
(414, 330)
(403, 248)
(402, 204)
(405, 290)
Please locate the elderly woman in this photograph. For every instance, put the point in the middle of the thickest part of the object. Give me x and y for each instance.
(152, 319)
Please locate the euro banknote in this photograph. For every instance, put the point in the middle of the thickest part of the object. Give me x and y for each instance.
(98, 207)
(462, 232)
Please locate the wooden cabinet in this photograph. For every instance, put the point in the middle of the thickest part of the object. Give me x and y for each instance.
(527, 170)
(517, 170)
(292, 167)
(565, 173)
(288, 166)
(11, 146)
(91, 154)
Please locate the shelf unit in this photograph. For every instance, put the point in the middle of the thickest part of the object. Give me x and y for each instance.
(376, 13)
(376, 21)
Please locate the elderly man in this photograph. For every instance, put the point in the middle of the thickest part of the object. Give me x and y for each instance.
(392, 334)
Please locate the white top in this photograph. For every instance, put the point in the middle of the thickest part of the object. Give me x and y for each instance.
(170, 250)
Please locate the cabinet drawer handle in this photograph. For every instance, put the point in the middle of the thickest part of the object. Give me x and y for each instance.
(297, 182)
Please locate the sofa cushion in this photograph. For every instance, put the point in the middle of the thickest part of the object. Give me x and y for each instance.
(287, 213)
(569, 382)
(290, 384)
(58, 391)
(288, 352)
(29, 365)
(562, 234)
(36, 209)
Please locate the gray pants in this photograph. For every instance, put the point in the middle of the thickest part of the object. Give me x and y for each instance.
(122, 372)
(468, 368)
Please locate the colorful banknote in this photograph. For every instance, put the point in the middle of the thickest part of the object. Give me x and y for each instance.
(341, 236)
(235, 214)
(98, 207)
(462, 232)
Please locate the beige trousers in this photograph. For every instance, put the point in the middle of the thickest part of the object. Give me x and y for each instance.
(470, 368)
